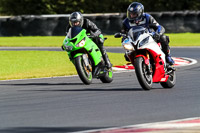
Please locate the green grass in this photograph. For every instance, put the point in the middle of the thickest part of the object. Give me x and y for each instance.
(32, 41)
(179, 39)
(184, 39)
(36, 64)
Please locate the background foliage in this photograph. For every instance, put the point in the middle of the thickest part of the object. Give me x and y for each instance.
(37, 7)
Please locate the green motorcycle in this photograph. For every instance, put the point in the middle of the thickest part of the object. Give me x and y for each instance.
(86, 56)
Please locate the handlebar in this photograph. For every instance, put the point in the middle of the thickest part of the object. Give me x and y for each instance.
(91, 36)
(119, 35)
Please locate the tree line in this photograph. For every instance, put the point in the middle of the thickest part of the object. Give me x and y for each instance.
(38, 7)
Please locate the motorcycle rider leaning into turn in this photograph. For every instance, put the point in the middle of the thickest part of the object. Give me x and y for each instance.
(137, 17)
(76, 19)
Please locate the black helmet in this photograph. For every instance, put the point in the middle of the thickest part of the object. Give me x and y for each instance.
(135, 11)
(76, 19)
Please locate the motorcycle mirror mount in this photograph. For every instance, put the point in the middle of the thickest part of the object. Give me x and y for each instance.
(118, 35)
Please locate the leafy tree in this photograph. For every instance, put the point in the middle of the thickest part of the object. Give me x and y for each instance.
(21, 7)
(16, 7)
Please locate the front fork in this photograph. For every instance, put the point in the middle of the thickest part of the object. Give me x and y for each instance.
(132, 55)
(89, 67)
(147, 62)
(86, 62)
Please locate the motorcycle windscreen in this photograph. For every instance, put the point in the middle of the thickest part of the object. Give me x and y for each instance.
(74, 31)
(136, 31)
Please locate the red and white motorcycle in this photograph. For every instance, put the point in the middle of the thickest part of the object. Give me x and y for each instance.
(148, 59)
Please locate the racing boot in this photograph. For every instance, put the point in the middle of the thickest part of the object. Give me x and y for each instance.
(169, 59)
(103, 51)
(106, 59)
(164, 40)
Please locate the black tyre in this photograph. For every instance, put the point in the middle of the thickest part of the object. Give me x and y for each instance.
(171, 81)
(84, 73)
(144, 78)
(108, 78)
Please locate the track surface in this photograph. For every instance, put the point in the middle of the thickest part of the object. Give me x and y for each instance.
(60, 105)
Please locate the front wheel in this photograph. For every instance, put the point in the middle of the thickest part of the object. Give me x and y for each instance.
(84, 72)
(171, 81)
(143, 76)
(108, 78)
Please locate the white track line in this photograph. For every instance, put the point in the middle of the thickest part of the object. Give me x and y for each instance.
(157, 125)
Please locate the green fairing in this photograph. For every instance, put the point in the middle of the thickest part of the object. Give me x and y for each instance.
(89, 46)
(96, 53)
(110, 74)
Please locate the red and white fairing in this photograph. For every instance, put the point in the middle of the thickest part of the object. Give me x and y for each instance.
(145, 41)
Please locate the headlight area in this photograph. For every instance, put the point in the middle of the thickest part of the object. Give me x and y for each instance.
(68, 48)
(81, 43)
(128, 46)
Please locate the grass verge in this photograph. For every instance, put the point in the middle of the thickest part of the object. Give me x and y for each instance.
(178, 39)
(36, 64)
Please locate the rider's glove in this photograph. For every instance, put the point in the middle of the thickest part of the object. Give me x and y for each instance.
(123, 38)
(101, 38)
(62, 47)
(155, 35)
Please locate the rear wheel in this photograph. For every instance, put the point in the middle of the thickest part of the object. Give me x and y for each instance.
(171, 81)
(143, 76)
(84, 72)
(108, 78)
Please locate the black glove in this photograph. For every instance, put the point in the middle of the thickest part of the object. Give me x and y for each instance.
(156, 36)
(62, 47)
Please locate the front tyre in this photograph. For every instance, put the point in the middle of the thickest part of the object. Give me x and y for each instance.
(144, 78)
(83, 71)
(108, 78)
(171, 81)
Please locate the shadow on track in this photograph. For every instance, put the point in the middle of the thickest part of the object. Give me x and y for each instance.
(46, 129)
(88, 89)
(42, 84)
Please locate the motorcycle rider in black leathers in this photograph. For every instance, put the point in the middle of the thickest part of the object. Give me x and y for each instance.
(76, 19)
(137, 17)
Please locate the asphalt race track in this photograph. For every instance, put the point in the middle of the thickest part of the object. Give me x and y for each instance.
(65, 104)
